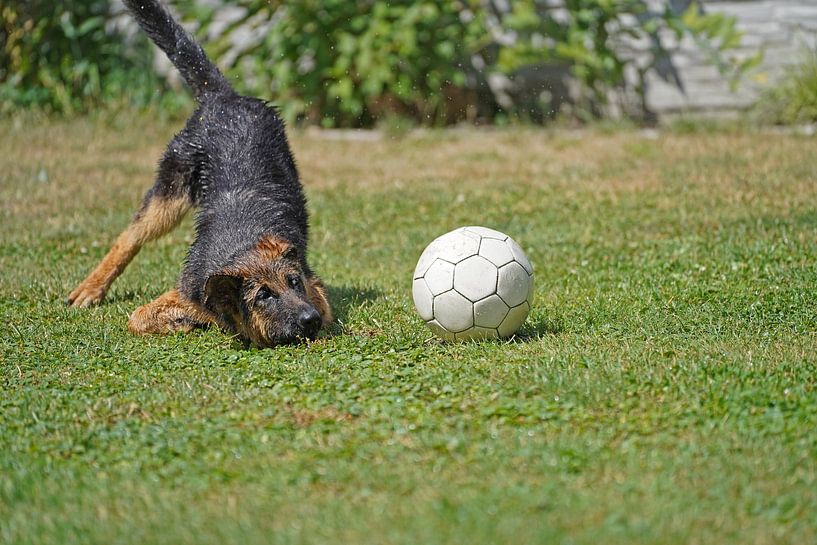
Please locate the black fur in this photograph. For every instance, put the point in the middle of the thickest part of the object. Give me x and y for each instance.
(232, 160)
(186, 55)
(245, 185)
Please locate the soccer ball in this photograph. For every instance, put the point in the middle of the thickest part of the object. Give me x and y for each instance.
(473, 283)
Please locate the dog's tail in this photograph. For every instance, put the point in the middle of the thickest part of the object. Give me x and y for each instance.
(186, 55)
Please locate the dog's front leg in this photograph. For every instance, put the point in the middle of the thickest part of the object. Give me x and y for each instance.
(157, 216)
(169, 313)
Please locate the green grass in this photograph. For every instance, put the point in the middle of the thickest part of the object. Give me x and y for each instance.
(662, 391)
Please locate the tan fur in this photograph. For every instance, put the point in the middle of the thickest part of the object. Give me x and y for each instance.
(256, 331)
(255, 266)
(316, 292)
(271, 248)
(256, 262)
(158, 217)
(168, 313)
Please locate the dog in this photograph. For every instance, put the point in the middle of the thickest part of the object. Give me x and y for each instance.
(246, 270)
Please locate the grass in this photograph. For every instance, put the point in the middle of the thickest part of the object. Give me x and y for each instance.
(663, 390)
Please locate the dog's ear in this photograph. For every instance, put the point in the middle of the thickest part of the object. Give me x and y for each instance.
(222, 296)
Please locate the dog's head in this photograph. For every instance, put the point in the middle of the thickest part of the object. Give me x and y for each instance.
(267, 297)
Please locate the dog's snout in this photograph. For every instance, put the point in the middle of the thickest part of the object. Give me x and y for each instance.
(309, 320)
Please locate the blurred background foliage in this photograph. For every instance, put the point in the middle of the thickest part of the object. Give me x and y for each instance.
(354, 63)
(64, 56)
(793, 101)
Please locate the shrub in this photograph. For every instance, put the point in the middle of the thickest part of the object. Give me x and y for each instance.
(348, 62)
(794, 99)
(57, 55)
(352, 62)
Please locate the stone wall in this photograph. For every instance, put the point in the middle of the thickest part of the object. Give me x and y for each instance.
(782, 28)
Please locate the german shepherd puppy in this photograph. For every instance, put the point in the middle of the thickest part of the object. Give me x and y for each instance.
(246, 271)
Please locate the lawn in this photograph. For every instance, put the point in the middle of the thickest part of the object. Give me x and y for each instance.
(662, 391)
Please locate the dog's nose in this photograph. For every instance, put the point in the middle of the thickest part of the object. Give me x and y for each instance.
(309, 320)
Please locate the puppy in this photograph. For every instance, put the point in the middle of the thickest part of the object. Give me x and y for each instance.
(246, 271)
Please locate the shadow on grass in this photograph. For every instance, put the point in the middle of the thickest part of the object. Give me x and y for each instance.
(539, 326)
(344, 298)
(130, 296)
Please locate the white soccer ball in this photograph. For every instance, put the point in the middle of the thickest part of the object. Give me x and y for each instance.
(473, 283)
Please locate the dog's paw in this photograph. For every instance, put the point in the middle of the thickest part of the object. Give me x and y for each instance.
(86, 295)
(154, 319)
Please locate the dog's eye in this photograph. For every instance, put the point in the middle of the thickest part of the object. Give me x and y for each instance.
(264, 294)
(294, 281)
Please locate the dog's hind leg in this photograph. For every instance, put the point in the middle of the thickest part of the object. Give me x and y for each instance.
(164, 206)
(168, 313)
